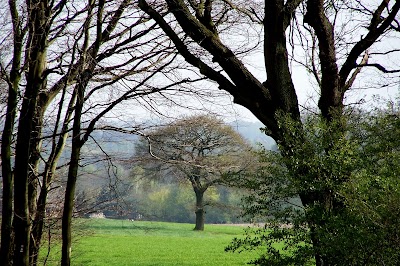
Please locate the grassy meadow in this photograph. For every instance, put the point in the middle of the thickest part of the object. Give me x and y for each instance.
(121, 242)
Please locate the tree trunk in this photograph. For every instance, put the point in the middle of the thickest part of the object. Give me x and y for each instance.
(6, 141)
(23, 170)
(200, 213)
(35, 81)
(21, 208)
(69, 202)
(37, 226)
(7, 172)
(37, 202)
(33, 182)
(77, 144)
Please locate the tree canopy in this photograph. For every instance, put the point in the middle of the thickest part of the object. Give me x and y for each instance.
(200, 149)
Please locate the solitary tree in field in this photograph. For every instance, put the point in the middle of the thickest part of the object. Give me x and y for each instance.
(201, 150)
(336, 41)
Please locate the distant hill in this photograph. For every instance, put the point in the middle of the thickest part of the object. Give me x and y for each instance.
(252, 132)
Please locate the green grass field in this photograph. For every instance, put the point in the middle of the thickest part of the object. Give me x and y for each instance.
(120, 242)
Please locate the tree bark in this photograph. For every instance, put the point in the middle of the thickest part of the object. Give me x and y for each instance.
(69, 199)
(35, 81)
(21, 207)
(6, 140)
(7, 173)
(33, 182)
(200, 213)
(279, 82)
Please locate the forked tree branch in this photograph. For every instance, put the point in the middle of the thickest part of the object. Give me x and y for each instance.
(353, 77)
(375, 31)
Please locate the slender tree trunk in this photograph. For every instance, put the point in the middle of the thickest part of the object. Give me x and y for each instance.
(37, 226)
(33, 182)
(7, 172)
(200, 213)
(77, 144)
(6, 141)
(69, 203)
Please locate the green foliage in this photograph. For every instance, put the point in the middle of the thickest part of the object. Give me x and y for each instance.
(273, 201)
(352, 166)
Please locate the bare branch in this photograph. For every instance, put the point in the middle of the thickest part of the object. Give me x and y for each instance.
(375, 31)
(380, 68)
(251, 14)
(363, 62)
(183, 50)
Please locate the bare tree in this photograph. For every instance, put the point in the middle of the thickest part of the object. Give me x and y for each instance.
(199, 149)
